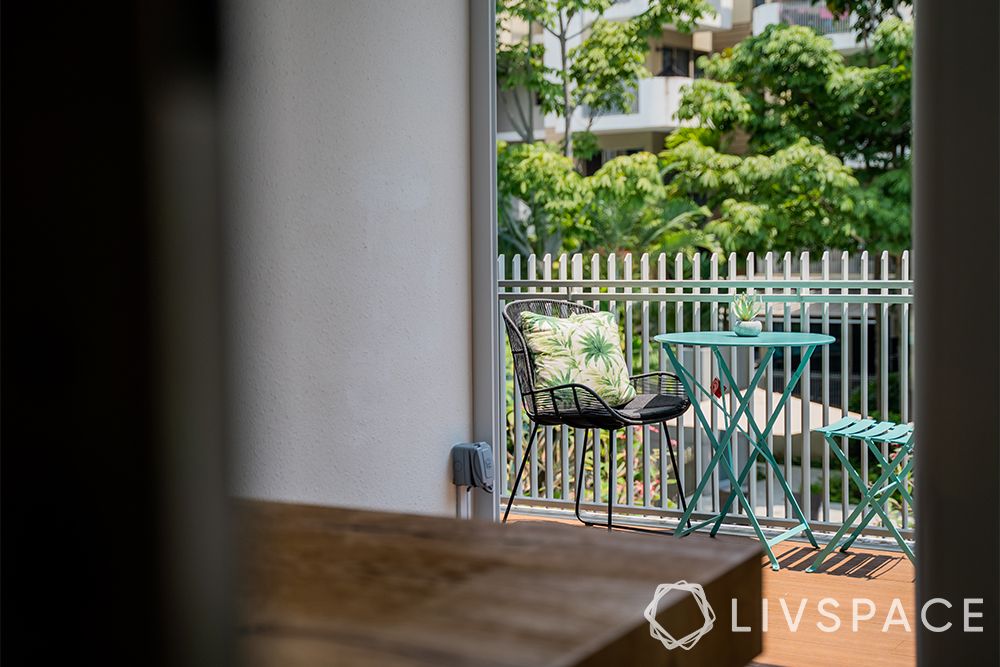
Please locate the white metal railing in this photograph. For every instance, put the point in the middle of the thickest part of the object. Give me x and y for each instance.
(817, 17)
(863, 301)
(655, 106)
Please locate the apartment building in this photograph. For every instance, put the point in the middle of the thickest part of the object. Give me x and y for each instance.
(672, 60)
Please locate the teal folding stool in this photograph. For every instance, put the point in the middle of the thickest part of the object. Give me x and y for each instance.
(872, 504)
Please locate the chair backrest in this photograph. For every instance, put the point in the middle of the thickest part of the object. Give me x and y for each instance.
(523, 362)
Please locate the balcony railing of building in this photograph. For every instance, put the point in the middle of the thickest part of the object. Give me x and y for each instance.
(631, 108)
(817, 17)
(654, 108)
(865, 302)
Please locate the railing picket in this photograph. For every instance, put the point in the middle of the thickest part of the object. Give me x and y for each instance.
(736, 440)
(678, 327)
(595, 274)
(864, 359)
(502, 364)
(612, 462)
(826, 388)
(904, 364)
(805, 394)
(629, 431)
(786, 371)
(883, 357)
(699, 467)
(661, 274)
(644, 322)
(713, 274)
(769, 395)
(904, 344)
(578, 434)
(564, 430)
(845, 379)
(549, 460)
(533, 488)
(515, 269)
(750, 352)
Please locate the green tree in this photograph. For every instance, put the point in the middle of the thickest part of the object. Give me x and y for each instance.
(601, 71)
(540, 197)
(803, 112)
(798, 197)
(547, 207)
(788, 83)
(628, 208)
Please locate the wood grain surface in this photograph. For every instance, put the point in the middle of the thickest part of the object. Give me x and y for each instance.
(876, 575)
(323, 586)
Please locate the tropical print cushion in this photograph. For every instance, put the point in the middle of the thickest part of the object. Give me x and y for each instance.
(584, 349)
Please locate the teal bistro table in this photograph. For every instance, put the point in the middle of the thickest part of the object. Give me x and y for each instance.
(757, 436)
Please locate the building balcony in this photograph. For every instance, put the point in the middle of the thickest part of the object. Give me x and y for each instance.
(654, 110)
(835, 28)
(726, 13)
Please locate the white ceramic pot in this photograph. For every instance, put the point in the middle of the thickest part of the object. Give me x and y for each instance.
(751, 328)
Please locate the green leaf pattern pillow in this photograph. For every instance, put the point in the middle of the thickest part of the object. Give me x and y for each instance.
(584, 348)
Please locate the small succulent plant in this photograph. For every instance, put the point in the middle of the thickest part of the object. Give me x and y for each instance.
(746, 306)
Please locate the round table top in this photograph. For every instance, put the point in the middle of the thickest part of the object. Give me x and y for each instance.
(730, 339)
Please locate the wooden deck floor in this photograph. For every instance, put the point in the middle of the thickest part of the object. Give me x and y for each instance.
(879, 576)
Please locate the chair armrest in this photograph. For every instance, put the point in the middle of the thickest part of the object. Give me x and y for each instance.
(567, 400)
(658, 382)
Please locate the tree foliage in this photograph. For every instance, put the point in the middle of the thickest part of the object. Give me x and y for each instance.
(807, 117)
(797, 197)
(823, 143)
(793, 84)
(541, 196)
(600, 70)
(625, 205)
(628, 207)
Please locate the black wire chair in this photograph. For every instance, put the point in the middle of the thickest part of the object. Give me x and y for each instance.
(659, 397)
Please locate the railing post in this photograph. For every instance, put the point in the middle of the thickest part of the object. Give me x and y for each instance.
(805, 396)
(644, 323)
(629, 431)
(825, 388)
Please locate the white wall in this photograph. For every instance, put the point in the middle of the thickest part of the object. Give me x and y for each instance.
(349, 239)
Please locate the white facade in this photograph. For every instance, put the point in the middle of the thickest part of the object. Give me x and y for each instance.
(658, 97)
(349, 241)
(726, 12)
(656, 110)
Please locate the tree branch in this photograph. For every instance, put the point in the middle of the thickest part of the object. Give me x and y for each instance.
(520, 129)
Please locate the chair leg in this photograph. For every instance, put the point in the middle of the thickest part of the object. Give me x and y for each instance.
(597, 482)
(579, 495)
(612, 478)
(677, 470)
(520, 472)
(579, 476)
